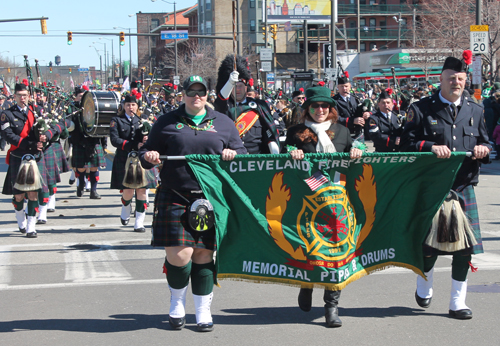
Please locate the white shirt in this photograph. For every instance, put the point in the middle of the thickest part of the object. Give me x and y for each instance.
(457, 102)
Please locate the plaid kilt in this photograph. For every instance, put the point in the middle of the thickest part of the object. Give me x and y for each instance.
(53, 176)
(168, 223)
(118, 173)
(80, 159)
(467, 198)
(10, 177)
(61, 161)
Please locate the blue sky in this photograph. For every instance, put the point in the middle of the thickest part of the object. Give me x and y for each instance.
(20, 38)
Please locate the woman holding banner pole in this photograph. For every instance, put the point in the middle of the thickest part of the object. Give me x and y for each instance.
(319, 132)
(193, 128)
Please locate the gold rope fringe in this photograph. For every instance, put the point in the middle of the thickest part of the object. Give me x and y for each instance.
(334, 287)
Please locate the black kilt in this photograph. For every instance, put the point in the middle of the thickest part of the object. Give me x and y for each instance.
(118, 173)
(61, 161)
(467, 198)
(53, 176)
(10, 177)
(81, 160)
(169, 225)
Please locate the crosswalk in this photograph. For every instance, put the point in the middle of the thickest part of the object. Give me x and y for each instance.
(71, 265)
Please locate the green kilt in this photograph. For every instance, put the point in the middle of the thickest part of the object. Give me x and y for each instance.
(467, 198)
(61, 161)
(53, 176)
(82, 159)
(10, 177)
(118, 173)
(169, 224)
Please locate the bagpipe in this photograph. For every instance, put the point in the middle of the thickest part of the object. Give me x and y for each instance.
(135, 174)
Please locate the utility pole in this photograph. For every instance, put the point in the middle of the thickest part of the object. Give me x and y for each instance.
(306, 56)
(175, 41)
(332, 34)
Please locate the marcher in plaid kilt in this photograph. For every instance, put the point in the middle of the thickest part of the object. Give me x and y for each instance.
(193, 128)
(88, 152)
(20, 127)
(445, 122)
(125, 133)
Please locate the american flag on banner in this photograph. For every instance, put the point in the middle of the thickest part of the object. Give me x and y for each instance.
(316, 180)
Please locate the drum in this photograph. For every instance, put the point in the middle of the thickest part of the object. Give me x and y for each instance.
(99, 107)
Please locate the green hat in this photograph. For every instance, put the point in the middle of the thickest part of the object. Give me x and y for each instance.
(318, 94)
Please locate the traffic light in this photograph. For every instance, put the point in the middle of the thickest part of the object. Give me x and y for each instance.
(274, 31)
(122, 38)
(70, 70)
(265, 33)
(70, 38)
(8, 69)
(43, 22)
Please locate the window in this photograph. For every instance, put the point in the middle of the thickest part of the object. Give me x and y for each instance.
(153, 42)
(208, 28)
(252, 3)
(154, 23)
(403, 23)
(260, 3)
(373, 23)
(362, 47)
(373, 46)
(252, 25)
(208, 5)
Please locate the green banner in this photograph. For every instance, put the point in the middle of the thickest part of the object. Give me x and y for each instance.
(324, 221)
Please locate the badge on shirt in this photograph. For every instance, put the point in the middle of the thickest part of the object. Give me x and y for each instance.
(434, 122)
(252, 104)
(112, 124)
(3, 117)
(179, 126)
(411, 115)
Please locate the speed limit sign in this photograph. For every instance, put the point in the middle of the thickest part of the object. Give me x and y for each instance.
(479, 39)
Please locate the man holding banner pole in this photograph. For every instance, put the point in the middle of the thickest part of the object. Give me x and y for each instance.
(444, 123)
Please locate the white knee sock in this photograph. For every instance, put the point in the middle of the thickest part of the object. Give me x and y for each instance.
(202, 308)
(177, 302)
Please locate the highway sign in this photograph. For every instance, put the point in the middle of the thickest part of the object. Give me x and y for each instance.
(174, 35)
(479, 39)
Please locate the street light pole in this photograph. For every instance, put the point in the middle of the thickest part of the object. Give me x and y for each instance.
(175, 41)
(130, 53)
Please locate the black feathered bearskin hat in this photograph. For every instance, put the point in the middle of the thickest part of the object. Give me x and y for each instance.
(227, 66)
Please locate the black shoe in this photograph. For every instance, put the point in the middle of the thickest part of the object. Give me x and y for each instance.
(332, 317)
(140, 230)
(50, 210)
(41, 222)
(22, 230)
(305, 299)
(94, 195)
(423, 302)
(31, 235)
(79, 192)
(124, 222)
(72, 181)
(464, 314)
(205, 327)
(177, 323)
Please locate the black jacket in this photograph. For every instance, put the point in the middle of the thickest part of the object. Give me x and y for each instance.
(429, 122)
(171, 136)
(347, 113)
(383, 132)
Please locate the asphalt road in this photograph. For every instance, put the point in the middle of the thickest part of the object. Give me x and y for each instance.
(87, 280)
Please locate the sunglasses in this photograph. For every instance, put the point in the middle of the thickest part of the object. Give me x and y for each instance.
(320, 105)
(193, 93)
(300, 98)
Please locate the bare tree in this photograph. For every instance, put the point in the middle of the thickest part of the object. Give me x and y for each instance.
(195, 58)
(491, 17)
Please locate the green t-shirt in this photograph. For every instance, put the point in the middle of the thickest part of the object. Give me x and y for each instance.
(197, 119)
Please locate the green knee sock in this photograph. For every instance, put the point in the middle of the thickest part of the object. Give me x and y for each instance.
(140, 206)
(43, 198)
(32, 205)
(178, 277)
(429, 263)
(460, 267)
(18, 205)
(202, 278)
